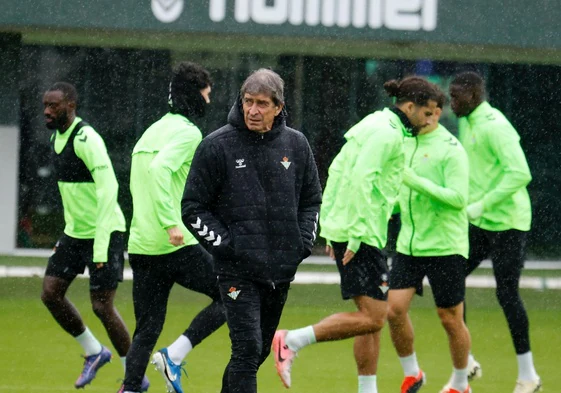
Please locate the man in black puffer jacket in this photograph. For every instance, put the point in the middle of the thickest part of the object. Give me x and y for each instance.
(252, 199)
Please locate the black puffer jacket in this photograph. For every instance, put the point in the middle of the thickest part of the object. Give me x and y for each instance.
(253, 200)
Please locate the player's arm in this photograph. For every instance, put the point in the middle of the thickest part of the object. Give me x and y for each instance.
(202, 188)
(309, 204)
(365, 176)
(454, 193)
(167, 161)
(505, 144)
(90, 148)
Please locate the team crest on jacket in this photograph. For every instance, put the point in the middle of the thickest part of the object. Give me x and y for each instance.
(285, 163)
(233, 292)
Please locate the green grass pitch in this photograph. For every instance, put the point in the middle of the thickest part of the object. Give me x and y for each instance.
(37, 356)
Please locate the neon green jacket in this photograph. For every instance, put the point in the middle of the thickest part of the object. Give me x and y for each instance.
(499, 172)
(363, 183)
(161, 161)
(91, 210)
(434, 196)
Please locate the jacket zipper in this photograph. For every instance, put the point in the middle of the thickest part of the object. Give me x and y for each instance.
(411, 201)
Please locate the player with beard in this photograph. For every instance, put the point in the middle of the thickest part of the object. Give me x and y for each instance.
(499, 208)
(362, 188)
(93, 235)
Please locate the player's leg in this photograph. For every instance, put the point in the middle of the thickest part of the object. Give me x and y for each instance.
(63, 266)
(197, 274)
(366, 349)
(242, 302)
(406, 279)
(479, 249)
(446, 277)
(364, 279)
(194, 271)
(104, 280)
(508, 253)
(152, 283)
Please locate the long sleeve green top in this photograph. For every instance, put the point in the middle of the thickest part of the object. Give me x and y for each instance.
(91, 210)
(499, 172)
(363, 182)
(161, 161)
(434, 196)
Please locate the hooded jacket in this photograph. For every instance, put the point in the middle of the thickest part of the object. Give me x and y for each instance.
(364, 180)
(498, 173)
(433, 197)
(160, 163)
(252, 200)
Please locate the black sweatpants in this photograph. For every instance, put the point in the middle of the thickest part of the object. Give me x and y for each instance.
(253, 312)
(153, 278)
(507, 252)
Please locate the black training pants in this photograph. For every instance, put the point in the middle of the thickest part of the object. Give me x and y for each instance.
(506, 250)
(153, 278)
(253, 311)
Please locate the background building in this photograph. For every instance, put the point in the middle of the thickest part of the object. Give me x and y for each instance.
(333, 54)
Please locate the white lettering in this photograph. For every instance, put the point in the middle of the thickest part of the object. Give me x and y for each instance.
(217, 10)
(296, 12)
(359, 16)
(375, 14)
(409, 15)
(429, 12)
(344, 14)
(312, 12)
(399, 15)
(241, 12)
(269, 14)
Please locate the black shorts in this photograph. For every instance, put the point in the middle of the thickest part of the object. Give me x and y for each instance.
(366, 274)
(446, 276)
(71, 256)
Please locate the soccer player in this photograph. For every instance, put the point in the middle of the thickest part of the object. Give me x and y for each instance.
(499, 208)
(433, 243)
(93, 235)
(162, 251)
(252, 199)
(362, 188)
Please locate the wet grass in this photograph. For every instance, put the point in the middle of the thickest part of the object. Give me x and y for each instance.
(37, 356)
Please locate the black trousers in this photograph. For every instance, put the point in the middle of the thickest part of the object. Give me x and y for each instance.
(153, 278)
(253, 312)
(506, 249)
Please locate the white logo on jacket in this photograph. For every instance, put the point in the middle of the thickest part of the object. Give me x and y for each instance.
(285, 163)
(240, 162)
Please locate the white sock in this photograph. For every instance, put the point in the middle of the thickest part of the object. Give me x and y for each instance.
(526, 369)
(124, 362)
(367, 384)
(179, 349)
(471, 359)
(88, 341)
(459, 379)
(410, 365)
(298, 338)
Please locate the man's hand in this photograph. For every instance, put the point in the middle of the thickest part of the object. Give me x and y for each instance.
(475, 210)
(329, 252)
(408, 176)
(349, 255)
(175, 236)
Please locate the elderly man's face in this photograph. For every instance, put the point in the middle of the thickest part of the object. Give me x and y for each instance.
(259, 112)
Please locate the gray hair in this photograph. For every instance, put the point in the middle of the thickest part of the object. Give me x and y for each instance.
(264, 81)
